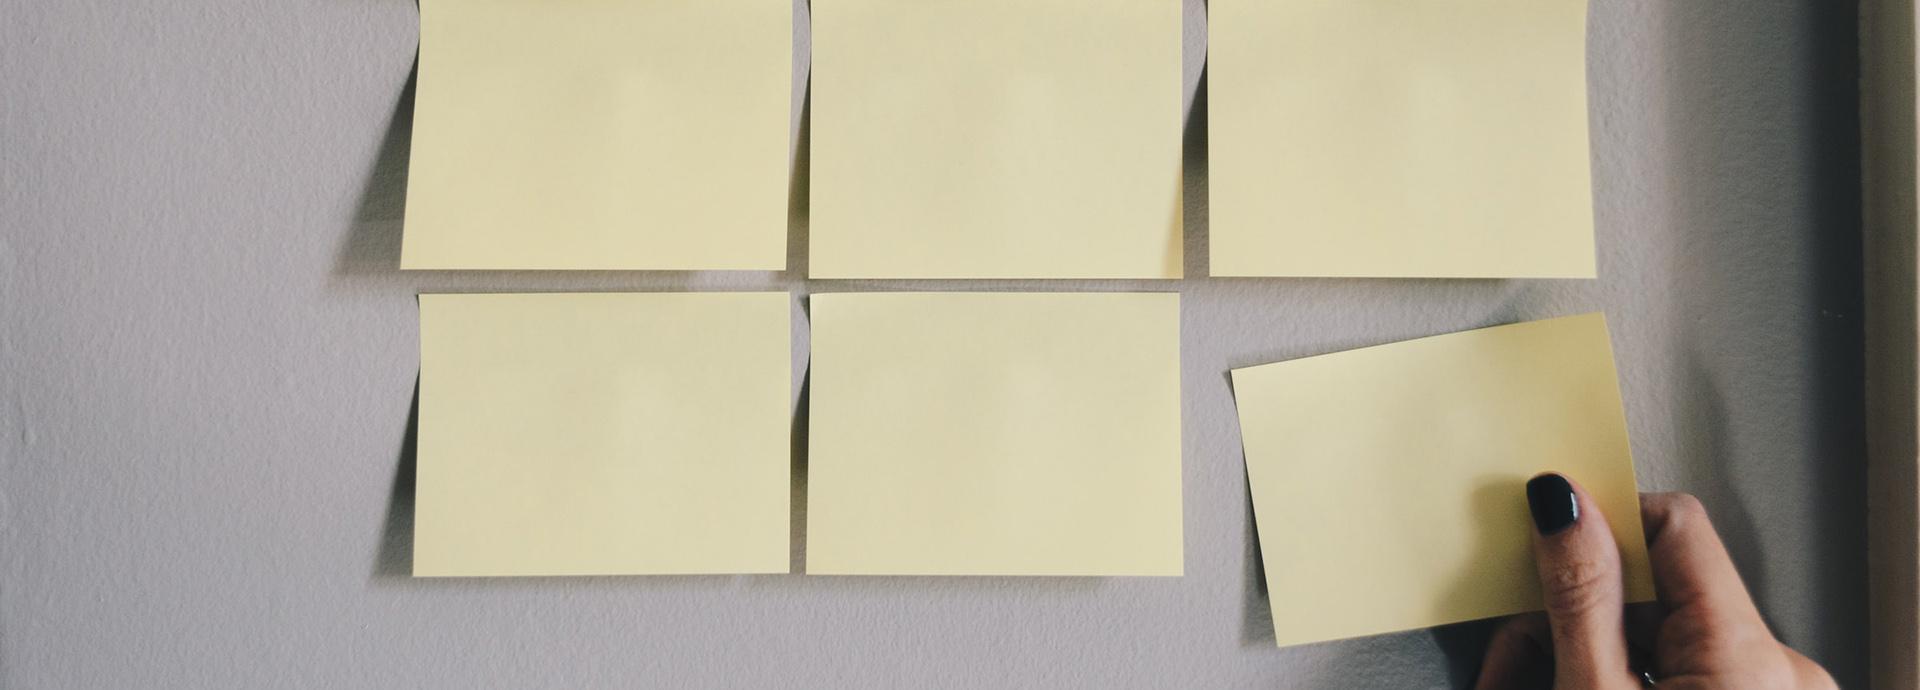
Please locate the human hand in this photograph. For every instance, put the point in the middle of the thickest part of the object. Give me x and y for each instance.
(1703, 633)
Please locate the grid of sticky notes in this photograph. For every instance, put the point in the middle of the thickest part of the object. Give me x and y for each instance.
(1387, 481)
(994, 434)
(999, 433)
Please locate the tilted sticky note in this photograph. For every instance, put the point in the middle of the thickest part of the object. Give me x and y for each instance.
(603, 434)
(1396, 138)
(1388, 481)
(600, 134)
(994, 434)
(996, 139)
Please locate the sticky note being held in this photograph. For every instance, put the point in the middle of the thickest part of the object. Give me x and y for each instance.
(1396, 138)
(603, 434)
(996, 139)
(994, 434)
(600, 134)
(1388, 482)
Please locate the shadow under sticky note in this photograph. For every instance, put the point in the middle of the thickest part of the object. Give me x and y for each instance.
(996, 139)
(1388, 481)
(600, 134)
(1388, 138)
(994, 434)
(602, 434)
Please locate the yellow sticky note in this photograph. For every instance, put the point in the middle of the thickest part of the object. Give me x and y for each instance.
(994, 434)
(603, 434)
(996, 139)
(600, 134)
(1399, 138)
(1388, 482)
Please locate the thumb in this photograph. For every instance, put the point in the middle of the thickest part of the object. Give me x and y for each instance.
(1581, 583)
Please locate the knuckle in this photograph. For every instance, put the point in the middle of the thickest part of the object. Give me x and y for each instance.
(1687, 508)
(1576, 586)
(1675, 512)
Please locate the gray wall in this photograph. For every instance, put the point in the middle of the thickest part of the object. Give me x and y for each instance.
(207, 364)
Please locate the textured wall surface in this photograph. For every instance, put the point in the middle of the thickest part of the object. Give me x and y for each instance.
(207, 364)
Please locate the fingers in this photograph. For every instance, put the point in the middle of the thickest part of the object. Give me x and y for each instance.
(1580, 580)
(1710, 615)
(1691, 568)
(1518, 656)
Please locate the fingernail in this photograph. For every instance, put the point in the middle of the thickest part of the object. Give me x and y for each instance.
(1552, 502)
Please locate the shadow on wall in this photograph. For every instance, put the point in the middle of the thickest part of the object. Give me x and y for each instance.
(1256, 610)
(800, 187)
(395, 557)
(373, 243)
(1194, 190)
(797, 500)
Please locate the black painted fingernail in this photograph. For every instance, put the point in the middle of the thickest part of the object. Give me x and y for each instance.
(1552, 502)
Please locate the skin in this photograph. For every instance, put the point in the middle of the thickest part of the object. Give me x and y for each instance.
(1704, 632)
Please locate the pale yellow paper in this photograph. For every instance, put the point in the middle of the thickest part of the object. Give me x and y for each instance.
(1399, 138)
(996, 139)
(600, 134)
(994, 434)
(603, 434)
(1388, 482)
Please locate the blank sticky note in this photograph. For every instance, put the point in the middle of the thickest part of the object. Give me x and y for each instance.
(1388, 482)
(600, 134)
(996, 139)
(994, 434)
(603, 434)
(1399, 138)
